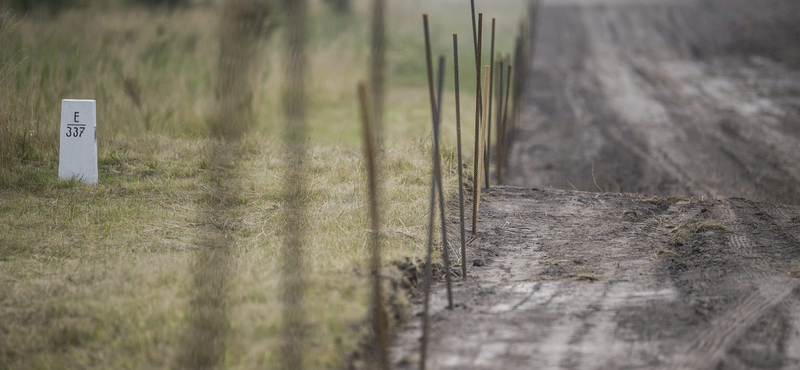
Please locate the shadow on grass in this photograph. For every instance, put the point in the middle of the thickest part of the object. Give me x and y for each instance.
(204, 342)
(204, 347)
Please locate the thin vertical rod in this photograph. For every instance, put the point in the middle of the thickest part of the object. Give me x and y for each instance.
(482, 154)
(476, 36)
(484, 117)
(378, 66)
(474, 30)
(437, 165)
(460, 160)
(477, 180)
(429, 65)
(501, 127)
(489, 105)
(505, 120)
(380, 323)
(431, 209)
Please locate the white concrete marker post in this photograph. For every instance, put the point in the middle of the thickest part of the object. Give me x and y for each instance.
(78, 154)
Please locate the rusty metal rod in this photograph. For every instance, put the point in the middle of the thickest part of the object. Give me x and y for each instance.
(378, 67)
(505, 120)
(482, 154)
(500, 125)
(476, 43)
(437, 165)
(460, 160)
(431, 209)
(475, 179)
(488, 147)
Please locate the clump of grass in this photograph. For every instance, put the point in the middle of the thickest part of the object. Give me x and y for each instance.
(667, 252)
(687, 231)
(587, 277)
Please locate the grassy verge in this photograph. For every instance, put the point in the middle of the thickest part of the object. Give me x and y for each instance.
(100, 276)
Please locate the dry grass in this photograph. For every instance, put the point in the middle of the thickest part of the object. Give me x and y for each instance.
(101, 277)
(588, 277)
(683, 233)
(667, 252)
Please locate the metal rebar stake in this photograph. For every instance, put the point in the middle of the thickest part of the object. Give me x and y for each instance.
(460, 160)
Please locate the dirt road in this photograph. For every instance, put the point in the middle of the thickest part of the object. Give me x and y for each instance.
(641, 97)
(700, 269)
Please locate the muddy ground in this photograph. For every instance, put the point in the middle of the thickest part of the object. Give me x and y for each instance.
(696, 119)
(578, 280)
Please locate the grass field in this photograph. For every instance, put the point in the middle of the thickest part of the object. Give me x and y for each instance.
(100, 277)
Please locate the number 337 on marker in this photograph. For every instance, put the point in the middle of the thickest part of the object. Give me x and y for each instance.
(73, 131)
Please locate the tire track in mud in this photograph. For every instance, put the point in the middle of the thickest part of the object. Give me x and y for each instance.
(713, 344)
(787, 221)
(769, 295)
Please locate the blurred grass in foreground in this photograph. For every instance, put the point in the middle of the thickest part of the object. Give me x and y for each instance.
(99, 277)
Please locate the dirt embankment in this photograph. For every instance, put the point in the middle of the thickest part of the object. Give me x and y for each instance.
(695, 105)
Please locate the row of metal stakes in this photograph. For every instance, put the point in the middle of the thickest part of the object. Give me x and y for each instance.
(509, 86)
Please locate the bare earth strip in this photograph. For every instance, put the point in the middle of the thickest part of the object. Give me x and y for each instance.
(575, 280)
